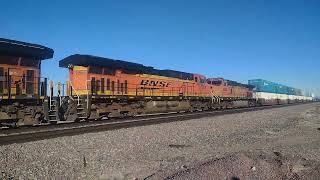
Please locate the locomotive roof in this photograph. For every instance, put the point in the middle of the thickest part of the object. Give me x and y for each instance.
(95, 61)
(127, 67)
(235, 83)
(23, 49)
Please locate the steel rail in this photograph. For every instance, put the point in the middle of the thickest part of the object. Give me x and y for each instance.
(70, 129)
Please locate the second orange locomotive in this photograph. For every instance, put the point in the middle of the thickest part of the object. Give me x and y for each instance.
(112, 86)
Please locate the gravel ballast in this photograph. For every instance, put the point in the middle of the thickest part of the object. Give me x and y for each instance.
(179, 150)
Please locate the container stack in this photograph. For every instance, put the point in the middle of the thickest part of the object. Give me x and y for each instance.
(276, 93)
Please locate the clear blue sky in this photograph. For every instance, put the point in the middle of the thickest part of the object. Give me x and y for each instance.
(277, 40)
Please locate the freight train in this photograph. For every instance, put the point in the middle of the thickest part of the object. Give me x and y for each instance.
(268, 92)
(103, 88)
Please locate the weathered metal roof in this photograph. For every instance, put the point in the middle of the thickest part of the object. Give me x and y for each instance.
(23, 49)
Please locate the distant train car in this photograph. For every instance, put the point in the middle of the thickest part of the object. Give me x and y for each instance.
(270, 93)
(120, 87)
(22, 89)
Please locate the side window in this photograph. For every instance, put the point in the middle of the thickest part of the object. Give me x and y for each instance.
(216, 83)
(95, 70)
(9, 60)
(29, 62)
(30, 82)
(196, 79)
(30, 75)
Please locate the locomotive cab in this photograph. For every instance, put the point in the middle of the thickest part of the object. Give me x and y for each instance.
(217, 82)
(22, 89)
(199, 78)
(19, 77)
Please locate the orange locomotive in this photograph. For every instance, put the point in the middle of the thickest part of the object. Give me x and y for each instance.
(22, 90)
(115, 88)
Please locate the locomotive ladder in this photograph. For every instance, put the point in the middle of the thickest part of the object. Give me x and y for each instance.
(82, 104)
(81, 109)
(53, 111)
(54, 104)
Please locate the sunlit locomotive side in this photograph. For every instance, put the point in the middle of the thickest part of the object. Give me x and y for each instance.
(119, 88)
(22, 89)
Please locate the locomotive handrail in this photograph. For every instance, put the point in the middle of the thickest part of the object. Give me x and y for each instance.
(59, 93)
(51, 94)
(78, 97)
(88, 93)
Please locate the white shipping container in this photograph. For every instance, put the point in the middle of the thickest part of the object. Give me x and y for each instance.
(269, 96)
(273, 96)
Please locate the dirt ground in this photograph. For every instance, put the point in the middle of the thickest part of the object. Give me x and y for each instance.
(288, 149)
(248, 165)
(280, 143)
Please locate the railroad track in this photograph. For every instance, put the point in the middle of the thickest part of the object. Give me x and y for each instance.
(28, 134)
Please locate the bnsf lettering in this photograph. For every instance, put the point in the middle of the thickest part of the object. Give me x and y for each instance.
(154, 83)
(164, 84)
(144, 82)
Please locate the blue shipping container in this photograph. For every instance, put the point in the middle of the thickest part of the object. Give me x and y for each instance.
(271, 87)
(263, 85)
